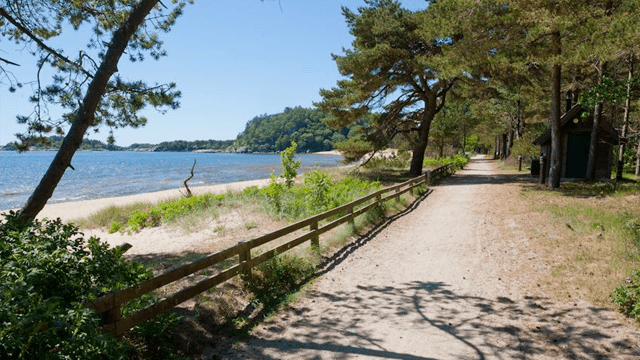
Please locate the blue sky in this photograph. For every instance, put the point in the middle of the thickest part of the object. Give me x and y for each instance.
(232, 60)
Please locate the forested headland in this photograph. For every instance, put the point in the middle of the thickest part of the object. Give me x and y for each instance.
(263, 134)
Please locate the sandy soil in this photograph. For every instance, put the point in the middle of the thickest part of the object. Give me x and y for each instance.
(453, 278)
(80, 209)
(160, 240)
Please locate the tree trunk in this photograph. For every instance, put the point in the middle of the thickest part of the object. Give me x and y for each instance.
(625, 121)
(504, 146)
(637, 173)
(591, 162)
(464, 140)
(420, 146)
(85, 115)
(510, 141)
(519, 121)
(597, 115)
(555, 158)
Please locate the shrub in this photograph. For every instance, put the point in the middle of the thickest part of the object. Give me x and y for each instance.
(627, 296)
(319, 184)
(289, 166)
(318, 194)
(164, 211)
(399, 160)
(458, 160)
(280, 275)
(274, 193)
(48, 271)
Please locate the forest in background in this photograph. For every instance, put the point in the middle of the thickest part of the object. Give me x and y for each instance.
(262, 134)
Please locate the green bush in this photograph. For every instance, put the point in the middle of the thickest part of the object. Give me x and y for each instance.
(289, 166)
(318, 185)
(399, 160)
(318, 194)
(280, 275)
(164, 211)
(628, 296)
(48, 271)
(431, 163)
(274, 193)
(458, 160)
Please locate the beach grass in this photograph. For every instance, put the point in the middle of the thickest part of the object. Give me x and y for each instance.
(105, 217)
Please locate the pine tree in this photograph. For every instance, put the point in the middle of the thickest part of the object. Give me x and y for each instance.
(392, 71)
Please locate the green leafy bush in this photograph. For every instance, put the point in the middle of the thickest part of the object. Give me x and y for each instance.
(458, 160)
(278, 276)
(318, 194)
(274, 193)
(318, 185)
(628, 296)
(47, 271)
(431, 163)
(289, 166)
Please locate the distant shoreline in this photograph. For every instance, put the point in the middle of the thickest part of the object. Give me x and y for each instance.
(79, 209)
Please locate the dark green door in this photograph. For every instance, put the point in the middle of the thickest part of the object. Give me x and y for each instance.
(577, 156)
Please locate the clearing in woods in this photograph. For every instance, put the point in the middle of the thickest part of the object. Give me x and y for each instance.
(452, 278)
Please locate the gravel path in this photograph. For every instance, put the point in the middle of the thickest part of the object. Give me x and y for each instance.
(438, 282)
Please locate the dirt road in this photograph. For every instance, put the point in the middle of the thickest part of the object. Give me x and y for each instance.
(442, 281)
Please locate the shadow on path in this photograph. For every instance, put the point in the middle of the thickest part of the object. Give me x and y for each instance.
(500, 328)
(480, 171)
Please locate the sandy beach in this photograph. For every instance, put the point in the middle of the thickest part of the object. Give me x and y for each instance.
(80, 209)
(158, 240)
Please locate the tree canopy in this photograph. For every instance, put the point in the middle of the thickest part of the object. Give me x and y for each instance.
(272, 133)
(392, 70)
(84, 83)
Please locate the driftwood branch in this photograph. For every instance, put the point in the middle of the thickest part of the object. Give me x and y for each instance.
(189, 194)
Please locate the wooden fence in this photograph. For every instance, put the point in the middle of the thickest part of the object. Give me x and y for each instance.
(110, 304)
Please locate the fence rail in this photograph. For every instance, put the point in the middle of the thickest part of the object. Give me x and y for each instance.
(110, 304)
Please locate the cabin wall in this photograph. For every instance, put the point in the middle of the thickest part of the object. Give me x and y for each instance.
(604, 161)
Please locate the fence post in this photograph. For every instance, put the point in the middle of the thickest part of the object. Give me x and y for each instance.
(519, 163)
(111, 317)
(244, 257)
(315, 241)
(352, 221)
(428, 178)
(543, 166)
(397, 194)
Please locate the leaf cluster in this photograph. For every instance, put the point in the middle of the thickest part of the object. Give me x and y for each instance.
(48, 271)
(33, 23)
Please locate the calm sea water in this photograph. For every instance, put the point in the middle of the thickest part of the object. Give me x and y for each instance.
(100, 174)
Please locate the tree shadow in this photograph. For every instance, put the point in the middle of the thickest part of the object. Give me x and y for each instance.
(472, 327)
(223, 321)
(474, 175)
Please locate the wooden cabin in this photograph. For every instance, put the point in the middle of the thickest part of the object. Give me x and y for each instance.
(575, 135)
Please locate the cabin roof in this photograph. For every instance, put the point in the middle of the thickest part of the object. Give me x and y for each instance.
(575, 111)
